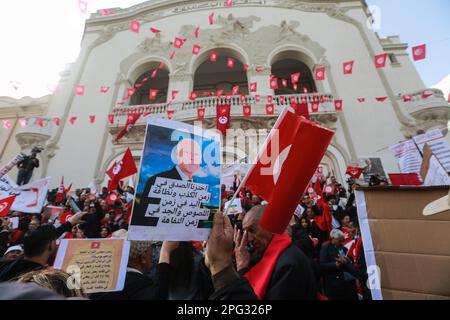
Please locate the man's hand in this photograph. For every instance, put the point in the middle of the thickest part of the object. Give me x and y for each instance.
(241, 249)
(219, 246)
(166, 249)
(76, 218)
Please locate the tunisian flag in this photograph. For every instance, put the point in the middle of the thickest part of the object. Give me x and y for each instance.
(354, 172)
(5, 205)
(223, 118)
(61, 191)
(131, 120)
(286, 163)
(120, 170)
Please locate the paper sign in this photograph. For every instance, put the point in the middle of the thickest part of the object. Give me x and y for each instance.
(235, 207)
(179, 183)
(99, 265)
(14, 223)
(438, 144)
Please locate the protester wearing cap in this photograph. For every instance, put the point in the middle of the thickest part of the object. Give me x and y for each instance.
(337, 268)
(13, 252)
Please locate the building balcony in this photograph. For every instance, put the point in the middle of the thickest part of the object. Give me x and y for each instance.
(428, 107)
(187, 110)
(36, 132)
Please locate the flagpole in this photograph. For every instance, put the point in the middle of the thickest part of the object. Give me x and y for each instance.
(244, 180)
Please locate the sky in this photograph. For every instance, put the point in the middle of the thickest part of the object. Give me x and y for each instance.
(39, 37)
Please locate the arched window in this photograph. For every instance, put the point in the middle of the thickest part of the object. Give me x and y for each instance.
(287, 63)
(145, 82)
(211, 76)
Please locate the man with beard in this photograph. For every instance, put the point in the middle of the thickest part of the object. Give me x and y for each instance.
(275, 267)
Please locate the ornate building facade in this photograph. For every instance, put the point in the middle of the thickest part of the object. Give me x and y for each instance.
(271, 37)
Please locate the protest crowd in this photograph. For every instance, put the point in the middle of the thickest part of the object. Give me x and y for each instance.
(320, 255)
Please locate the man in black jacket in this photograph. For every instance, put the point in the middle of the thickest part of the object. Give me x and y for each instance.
(39, 245)
(292, 277)
(189, 158)
(337, 268)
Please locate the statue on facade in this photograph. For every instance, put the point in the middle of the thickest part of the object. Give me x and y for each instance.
(27, 165)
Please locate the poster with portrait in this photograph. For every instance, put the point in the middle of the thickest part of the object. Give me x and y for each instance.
(372, 167)
(178, 187)
(97, 265)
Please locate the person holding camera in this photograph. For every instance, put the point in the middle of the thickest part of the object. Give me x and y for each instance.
(26, 167)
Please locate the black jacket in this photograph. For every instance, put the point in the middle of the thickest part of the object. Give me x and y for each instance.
(292, 278)
(140, 287)
(138, 217)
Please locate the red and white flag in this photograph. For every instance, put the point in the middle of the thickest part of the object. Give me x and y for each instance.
(153, 93)
(354, 172)
(211, 18)
(348, 67)
(289, 157)
(235, 90)
(79, 90)
(91, 119)
(223, 118)
(295, 77)
(200, 113)
(131, 120)
(5, 205)
(338, 105)
(213, 56)
(419, 52)
(196, 49)
(122, 169)
(361, 100)
(270, 109)
(380, 60)
(314, 106)
(104, 89)
(61, 191)
(193, 95)
(72, 120)
(247, 111)
(381, 99)
(406, 98)
(320, 73)
(154, 30)
(230, 63)
(284, 82)
(274, 83)
(178, 42)
(197, 32)
(135, 26)
(111, 118)
(253, 86)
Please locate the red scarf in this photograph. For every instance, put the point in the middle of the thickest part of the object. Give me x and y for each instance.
(259, 275)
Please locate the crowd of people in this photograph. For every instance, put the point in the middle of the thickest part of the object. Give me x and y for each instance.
(320, 256)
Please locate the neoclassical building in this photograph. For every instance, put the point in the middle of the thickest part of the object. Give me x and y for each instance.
(269, 37)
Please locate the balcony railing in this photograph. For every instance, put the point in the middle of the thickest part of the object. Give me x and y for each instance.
(423, 100)
(187, 110)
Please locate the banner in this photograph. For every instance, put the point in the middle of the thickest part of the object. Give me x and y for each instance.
(179, 183)
(98, 265)
(438, 145)
(30, 198)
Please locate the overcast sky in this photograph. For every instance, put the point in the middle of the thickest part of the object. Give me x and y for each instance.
(39, 37)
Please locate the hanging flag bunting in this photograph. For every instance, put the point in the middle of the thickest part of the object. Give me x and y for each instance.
(6, 124)
(314, 106)
(219, 93)
(247, 111)
(174, 94)
(135, 26)
(213, 56)
(105, 12)
(246, 66)
(230, 63)
(295, 87)
(419, 52)
(295, 77)
(170, 114)
(257, 98)
(253, 86)
(426, 95)
(193, 95)
(361, 100)
(406, 98)
(242, 98)
(320, 73)
(154, 30)
(235, 90)
(200, 113)
(284, 82)
(104, 89)
(72, 120)
(131, 120)
(348, 67)
(111, 118)
(172, 54)
(23, 123)
(228, 3)
(270, 109)
(281, 99)
(40, 122)
(196, 32)
(211, 18)
(338, 105)
(274, 83)
(153, 93)
(195, 49)
(178, 42)
(380, 60)
(56, 121)
(269, 99)
(153, 75)
(91, 119)
(161, 65)
(79, 90)
(381, 99)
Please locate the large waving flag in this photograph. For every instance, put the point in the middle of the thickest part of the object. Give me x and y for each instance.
(285, 166)
(120, 170)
